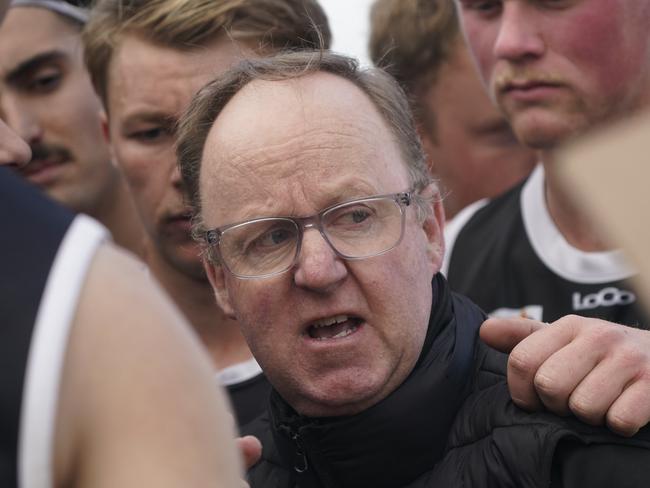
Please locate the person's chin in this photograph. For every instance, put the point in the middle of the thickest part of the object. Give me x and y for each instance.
(352, 393)
(541, 130)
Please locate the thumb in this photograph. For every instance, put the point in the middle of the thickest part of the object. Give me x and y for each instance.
(251, 450)
(503, 334)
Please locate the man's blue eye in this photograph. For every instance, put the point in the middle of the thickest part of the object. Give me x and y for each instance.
(273, 238)
(359, 216)
(278, 236)
(351, 216)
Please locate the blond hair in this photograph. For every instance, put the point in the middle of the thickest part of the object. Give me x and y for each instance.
(270, 25)
(412, 40)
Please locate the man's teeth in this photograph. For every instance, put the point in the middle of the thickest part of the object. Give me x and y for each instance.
(344, 333)
(330, 321)
(333, 327)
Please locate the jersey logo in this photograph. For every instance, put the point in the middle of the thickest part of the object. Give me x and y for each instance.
(607, 297)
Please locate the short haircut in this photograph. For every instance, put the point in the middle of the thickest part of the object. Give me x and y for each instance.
(269, 25)
(381, 89)
(412, 39)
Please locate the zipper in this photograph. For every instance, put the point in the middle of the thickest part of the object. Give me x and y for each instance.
(300, 464)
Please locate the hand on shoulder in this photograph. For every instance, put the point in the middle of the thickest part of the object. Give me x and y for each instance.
(597, 370)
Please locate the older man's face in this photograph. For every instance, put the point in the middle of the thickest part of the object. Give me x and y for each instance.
(320, 143)
(557, 68)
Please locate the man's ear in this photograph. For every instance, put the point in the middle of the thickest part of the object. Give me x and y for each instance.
(106, 131)
(433, 225)
(215, 275)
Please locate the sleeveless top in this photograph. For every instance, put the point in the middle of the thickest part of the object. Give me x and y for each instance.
(45, 252)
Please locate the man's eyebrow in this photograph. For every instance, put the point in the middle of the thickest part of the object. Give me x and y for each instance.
(150, 117)
(30, 64)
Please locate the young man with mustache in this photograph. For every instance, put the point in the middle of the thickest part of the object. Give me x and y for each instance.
(47, 98)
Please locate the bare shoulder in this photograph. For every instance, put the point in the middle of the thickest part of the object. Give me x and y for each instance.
(138, 403)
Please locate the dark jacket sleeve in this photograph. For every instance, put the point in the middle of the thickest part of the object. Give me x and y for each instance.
(576, 465)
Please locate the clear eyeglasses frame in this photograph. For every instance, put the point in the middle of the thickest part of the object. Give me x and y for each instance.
(268, 246)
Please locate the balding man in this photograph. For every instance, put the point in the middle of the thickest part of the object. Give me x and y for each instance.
(323, 237)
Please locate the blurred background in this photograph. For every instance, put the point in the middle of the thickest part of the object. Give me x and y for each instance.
(349, 21)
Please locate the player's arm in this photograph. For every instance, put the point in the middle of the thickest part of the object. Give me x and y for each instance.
(138, 404)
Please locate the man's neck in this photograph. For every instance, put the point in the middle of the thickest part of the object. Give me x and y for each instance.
(220, 335)
(568, 217)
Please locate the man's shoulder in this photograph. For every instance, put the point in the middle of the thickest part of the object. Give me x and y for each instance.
(604, 464)
(494, 443)
(482, 231)
(483, 216)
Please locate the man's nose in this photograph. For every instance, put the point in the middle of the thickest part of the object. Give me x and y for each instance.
(319, 268)
(13, 150)
(519, 37)
(175, 172)
(21, 120)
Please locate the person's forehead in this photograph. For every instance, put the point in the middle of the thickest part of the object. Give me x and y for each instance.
(143, 69)
(40, 21)
(317, 101)
(321, 135)
(27, 32)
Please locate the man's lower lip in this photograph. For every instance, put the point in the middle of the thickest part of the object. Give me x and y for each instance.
(44, 175)
(531, 94)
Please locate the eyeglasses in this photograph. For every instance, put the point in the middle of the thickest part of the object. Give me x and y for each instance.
(357, 229)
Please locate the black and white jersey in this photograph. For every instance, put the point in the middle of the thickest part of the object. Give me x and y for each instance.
(509, 257)
(45, 253)
(248, 390)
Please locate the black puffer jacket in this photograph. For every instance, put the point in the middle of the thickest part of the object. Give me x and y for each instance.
(450, 424)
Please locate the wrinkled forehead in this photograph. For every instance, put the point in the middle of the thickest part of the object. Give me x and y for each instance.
(318, 135)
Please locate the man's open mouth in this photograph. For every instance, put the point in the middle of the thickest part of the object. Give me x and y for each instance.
(336, 327)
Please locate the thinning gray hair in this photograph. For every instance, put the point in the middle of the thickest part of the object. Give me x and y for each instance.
(380, 87)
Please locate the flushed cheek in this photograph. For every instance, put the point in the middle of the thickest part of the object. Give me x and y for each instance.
(258, 308)
(587, 45)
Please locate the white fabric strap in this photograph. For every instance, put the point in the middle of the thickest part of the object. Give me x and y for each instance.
(238, 373)
(47, 351)
(58, 6)
(556, 253)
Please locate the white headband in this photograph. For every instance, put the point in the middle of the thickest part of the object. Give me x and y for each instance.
(60, 7)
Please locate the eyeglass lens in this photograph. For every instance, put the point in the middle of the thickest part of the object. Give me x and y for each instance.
(354, 230)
